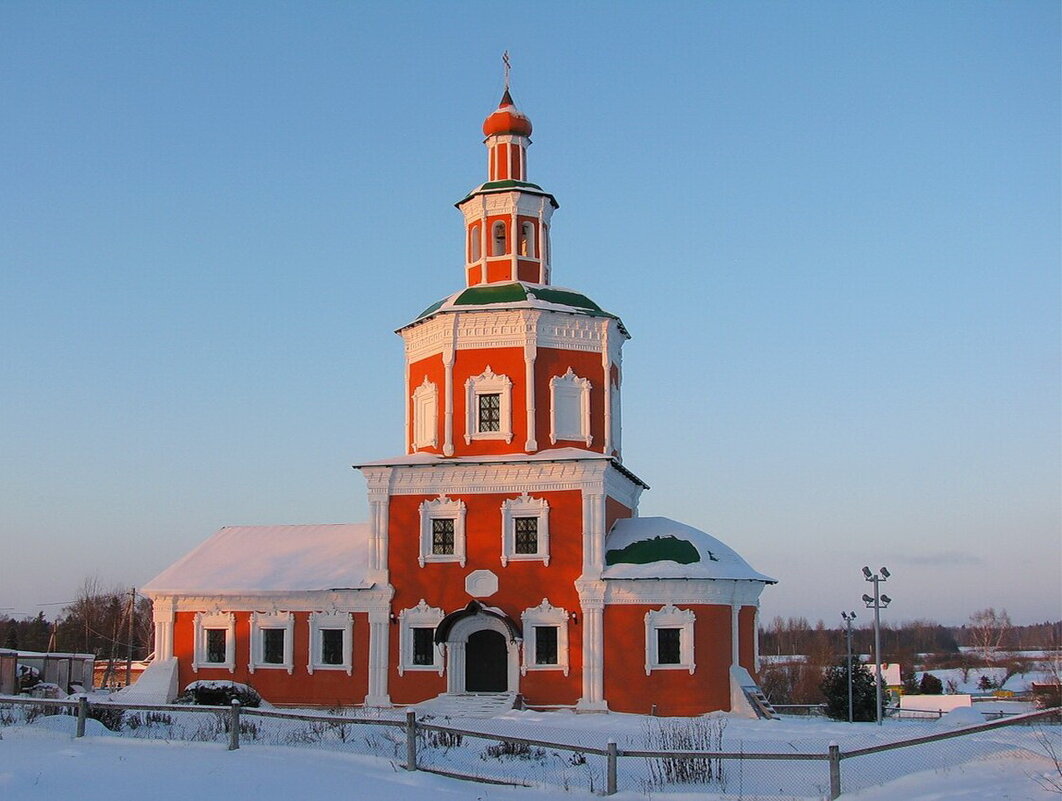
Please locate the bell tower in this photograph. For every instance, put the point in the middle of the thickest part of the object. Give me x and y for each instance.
(507, 218)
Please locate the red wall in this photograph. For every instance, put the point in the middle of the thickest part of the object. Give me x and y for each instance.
(675, 692)
(323, 688)
(552, 362)
(522, 584)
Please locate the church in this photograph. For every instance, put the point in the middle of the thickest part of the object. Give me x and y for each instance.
(504, 554)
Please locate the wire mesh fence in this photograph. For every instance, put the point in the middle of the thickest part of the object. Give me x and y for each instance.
(710, 755)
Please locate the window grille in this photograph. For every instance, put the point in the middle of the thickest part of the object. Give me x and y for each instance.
(423, 646)
(489, 412)
(526, 535)
(545, 645)
(668, 646)
(332, 646)
(442, 536)
(215, 642)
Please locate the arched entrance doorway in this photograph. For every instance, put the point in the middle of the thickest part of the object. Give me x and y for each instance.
(486, 662)
(482, 650)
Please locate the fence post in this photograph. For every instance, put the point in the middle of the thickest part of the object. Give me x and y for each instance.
(82, 713)
(411, 740)
(835, 771)
(610, 776)
(234, 725)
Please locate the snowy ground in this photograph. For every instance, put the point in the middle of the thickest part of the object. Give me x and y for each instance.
(42, 760)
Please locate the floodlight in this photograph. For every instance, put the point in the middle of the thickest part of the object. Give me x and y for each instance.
(886, 600)
(885, 572)
(867, 598)
(866, 571)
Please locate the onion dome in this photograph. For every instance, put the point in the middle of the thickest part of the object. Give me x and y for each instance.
(507, 119)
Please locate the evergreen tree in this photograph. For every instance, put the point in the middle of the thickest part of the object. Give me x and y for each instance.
(930, 685)
(835, 689)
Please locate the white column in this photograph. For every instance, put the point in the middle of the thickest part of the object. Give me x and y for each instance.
(592, 602)
(448, 393)
(408, 413)
(378, 520)
(606, 369)
(162, 614)
(379, 644)
(514, 245)
(735, 637)
(530, 352)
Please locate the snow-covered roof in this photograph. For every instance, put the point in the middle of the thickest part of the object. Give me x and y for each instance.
(270, 559)
(658, 547)
(548, 455)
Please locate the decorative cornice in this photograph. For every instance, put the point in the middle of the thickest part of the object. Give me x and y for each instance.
(723, 592)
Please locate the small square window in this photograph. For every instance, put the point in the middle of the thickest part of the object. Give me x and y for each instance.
(526, 530)
(423, 646)
(489, 412)
(545, 645)
(215, 646)
(273, 646)
(442, 536)
(331, 646)
(668, 646)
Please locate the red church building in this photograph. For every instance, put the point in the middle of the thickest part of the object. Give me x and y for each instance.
(504, 553)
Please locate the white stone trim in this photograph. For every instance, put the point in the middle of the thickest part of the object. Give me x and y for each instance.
(442, 508)
(419, 616)
(205, 621)
(320, 621)
(426, 415)
(569, 408)
(670, 617)
(512, 328)
(488, 383)
(524, 506)
(545, 614)
(714, 592)
(284, 621)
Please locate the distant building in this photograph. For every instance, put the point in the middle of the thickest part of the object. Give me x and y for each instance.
(503, 553)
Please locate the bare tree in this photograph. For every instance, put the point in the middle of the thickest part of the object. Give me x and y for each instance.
(989, 629)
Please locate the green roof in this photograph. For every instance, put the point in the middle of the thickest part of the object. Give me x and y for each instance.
(491, 293)
(501, 186)
(658, 549)
(565, 298)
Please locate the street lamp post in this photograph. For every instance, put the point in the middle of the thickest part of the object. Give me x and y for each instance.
(877, 603)
(848, 618)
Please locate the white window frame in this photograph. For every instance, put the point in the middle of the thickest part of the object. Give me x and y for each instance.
(205, 621)
(418, 617)
(670, 617)
(544, 615)
(442, 508)
(527, 240)
(617, 426)
(488, 383)
(426, 415)
(260, 621)
(495, 240)
(322, 621)
(569, 389)
(524, 506)
(475, 238)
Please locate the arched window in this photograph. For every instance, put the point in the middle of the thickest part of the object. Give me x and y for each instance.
(499, 245)
(527, 240)
(474, 243)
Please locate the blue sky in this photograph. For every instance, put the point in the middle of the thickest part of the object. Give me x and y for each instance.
(832, 229)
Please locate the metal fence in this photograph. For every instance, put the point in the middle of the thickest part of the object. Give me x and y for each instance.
(690, 755)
